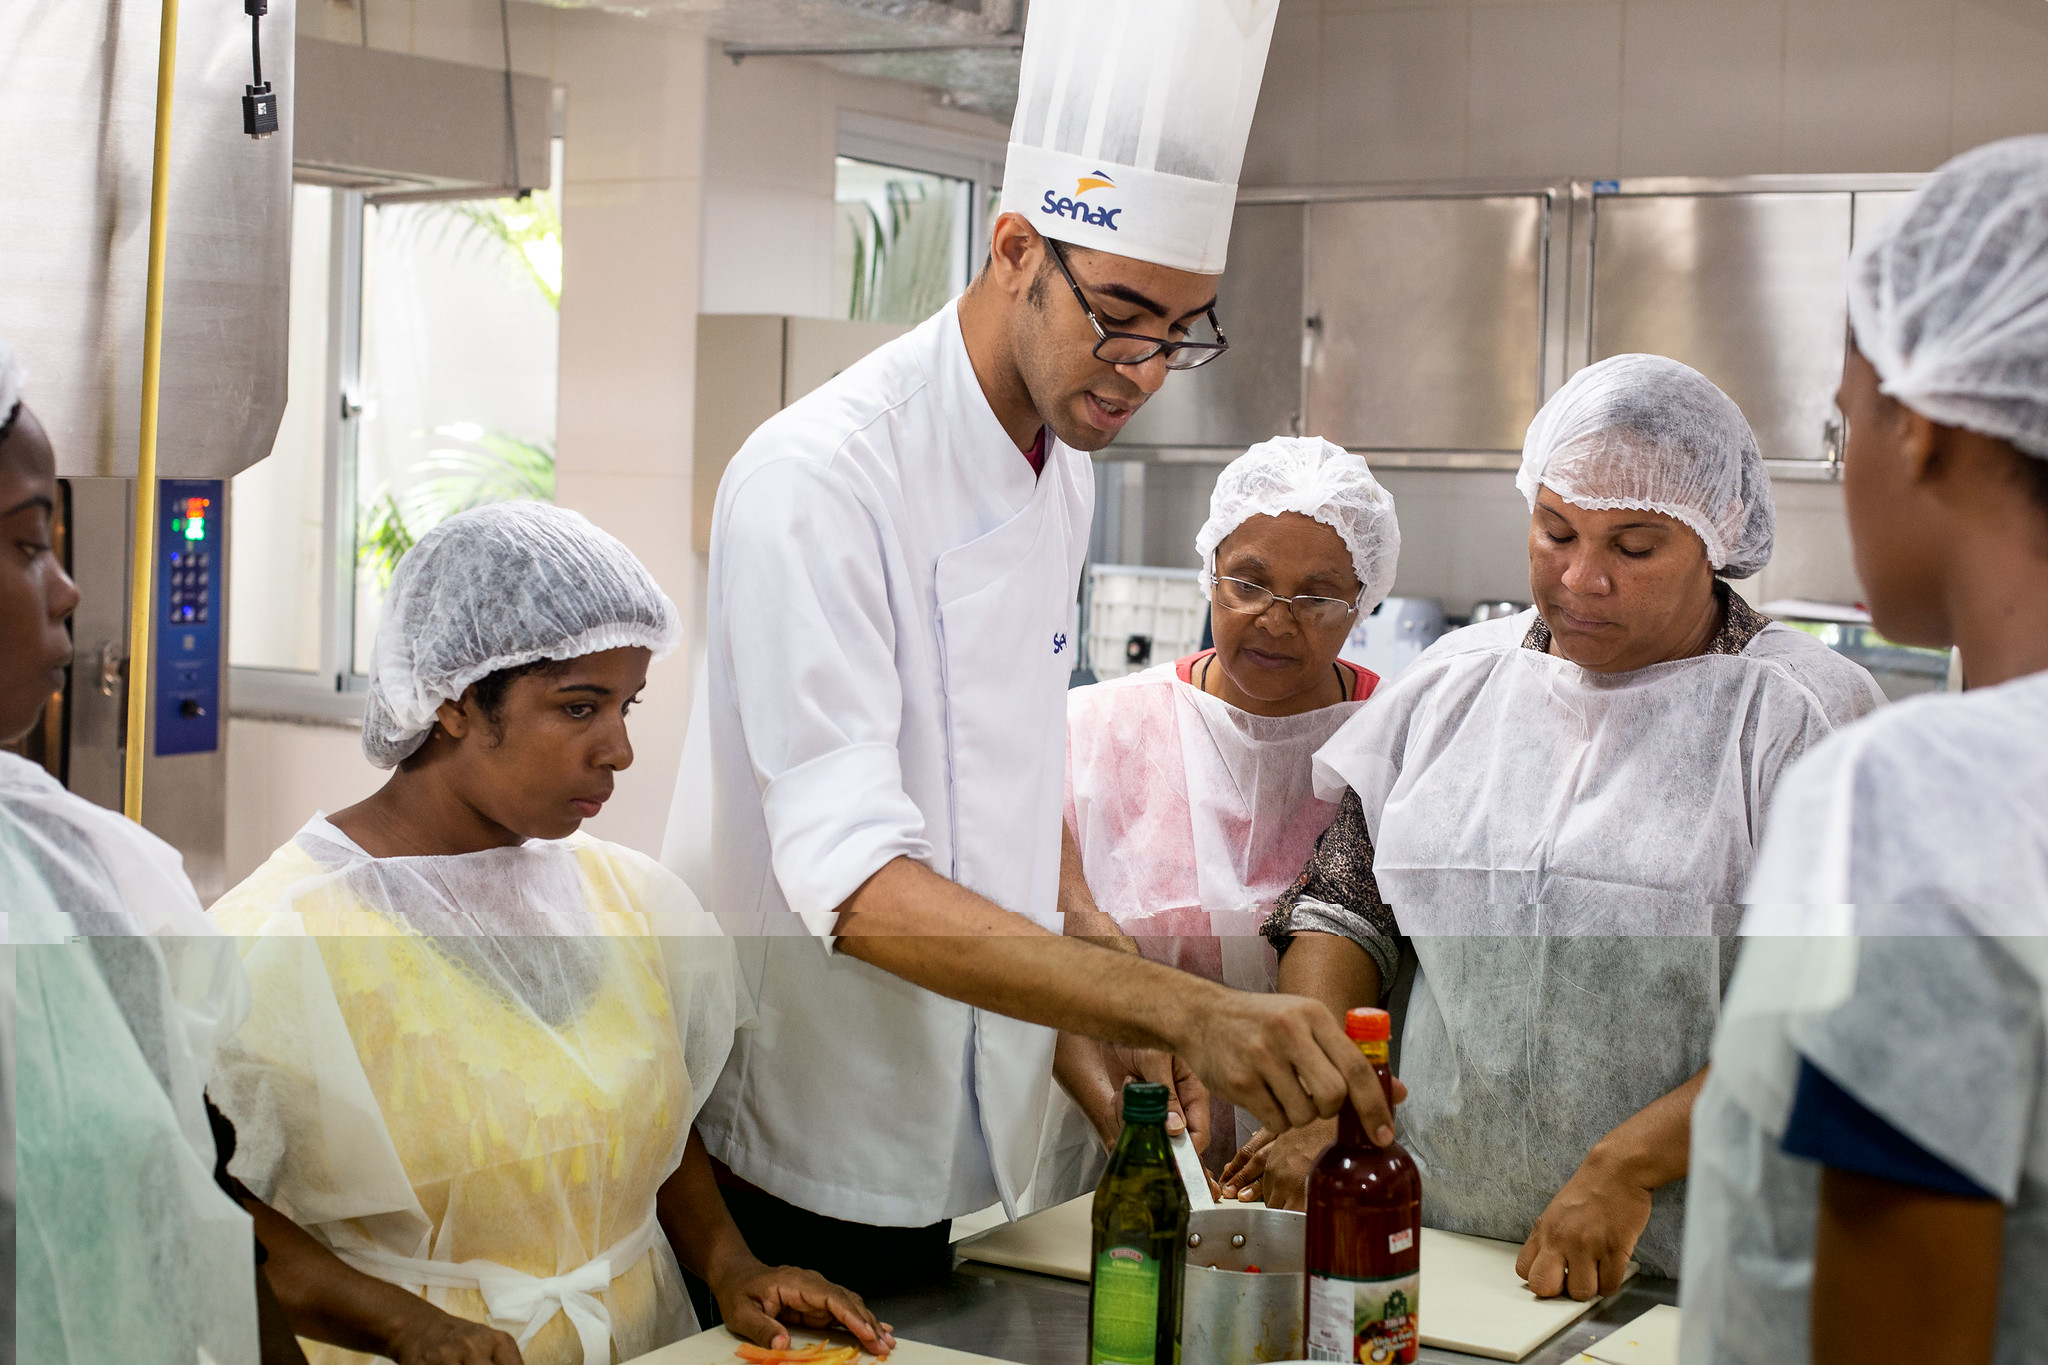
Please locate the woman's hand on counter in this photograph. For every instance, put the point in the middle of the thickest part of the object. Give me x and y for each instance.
(1276, 1169)
(758, 1301)
(1580, 1245)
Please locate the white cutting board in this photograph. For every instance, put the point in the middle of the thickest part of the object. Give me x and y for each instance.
(716, 1347)
(1651, 1339)
(1053, 1241)
(1472, 1300)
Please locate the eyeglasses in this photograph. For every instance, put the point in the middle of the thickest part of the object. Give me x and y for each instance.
(1313, 613)
(1135, 348)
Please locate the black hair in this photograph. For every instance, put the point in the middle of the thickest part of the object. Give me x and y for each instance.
(490, 689)
(7, 423)
(489, 693)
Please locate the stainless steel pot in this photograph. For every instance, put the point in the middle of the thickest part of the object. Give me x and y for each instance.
(1230, 1315)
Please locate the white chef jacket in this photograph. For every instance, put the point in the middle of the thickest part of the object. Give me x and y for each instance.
(891, 627)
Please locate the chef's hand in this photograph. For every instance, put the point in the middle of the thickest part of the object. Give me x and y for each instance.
(1285, 1058)
(757, 1301)
(432, 1337)
(1581, 1244)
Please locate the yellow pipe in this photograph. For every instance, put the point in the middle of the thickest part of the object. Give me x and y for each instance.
(142, 592)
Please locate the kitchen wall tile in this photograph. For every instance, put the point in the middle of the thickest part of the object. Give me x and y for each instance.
(1393, 98)
(652, 516)
(1867, 84)
(2001, 72)
(629, 326)
(1811, 557)
(1702, 86)
(634, 103)
(1283, 147)
(772, 122)
(278, 773)
(1545, 90)
(766, 250)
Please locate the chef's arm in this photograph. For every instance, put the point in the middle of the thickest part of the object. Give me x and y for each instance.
(1581, 1244)
(1284, 1058)
(326, 1299)
(1336, 971)
(1093, 1073)
(1894, 1263)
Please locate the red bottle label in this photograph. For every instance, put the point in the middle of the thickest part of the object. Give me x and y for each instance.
(1366, 1322)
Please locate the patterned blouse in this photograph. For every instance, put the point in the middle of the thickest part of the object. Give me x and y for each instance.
(1337, 892)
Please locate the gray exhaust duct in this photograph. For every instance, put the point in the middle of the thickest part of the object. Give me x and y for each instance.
(77, 121)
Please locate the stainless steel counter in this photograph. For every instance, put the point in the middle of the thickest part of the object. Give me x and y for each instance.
(1043, 1320)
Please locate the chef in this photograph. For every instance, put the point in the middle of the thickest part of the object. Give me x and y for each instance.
(890, 630)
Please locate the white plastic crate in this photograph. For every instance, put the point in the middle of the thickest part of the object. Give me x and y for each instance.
(1162, 608)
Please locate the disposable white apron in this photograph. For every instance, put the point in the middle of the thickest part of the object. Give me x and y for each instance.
(1191, 818)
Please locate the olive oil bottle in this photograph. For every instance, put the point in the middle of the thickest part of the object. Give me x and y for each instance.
(1141, 1242)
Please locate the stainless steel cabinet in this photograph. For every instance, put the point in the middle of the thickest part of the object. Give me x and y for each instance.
(1745, 288)
(1424, 325)
(1254, 391)
(1427, 321)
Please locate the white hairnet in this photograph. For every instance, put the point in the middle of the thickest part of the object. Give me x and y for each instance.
(1646, 432)
(1949, 298)
(11, 379)
(496, 587)
(1309, 475)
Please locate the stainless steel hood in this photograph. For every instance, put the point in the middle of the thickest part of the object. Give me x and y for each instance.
(77, 120)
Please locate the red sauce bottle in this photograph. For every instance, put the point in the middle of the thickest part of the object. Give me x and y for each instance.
(1364, 1232)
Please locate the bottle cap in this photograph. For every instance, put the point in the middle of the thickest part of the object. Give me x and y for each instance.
(1144, 1102)
(1367, 1025)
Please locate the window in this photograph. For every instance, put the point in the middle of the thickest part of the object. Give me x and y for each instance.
(902, 241)
(914, 204)
(279, 504)
(422, 377)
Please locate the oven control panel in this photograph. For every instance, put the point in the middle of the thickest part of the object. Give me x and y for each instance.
(191, 575)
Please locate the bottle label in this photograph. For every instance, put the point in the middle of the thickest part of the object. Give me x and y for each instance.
(1365, 1322)
(1125, 1308)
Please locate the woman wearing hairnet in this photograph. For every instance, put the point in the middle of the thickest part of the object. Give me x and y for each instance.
(114, 993)
(1870, 1154)
(478, 1082)
(1557, 811)
(1188, 785)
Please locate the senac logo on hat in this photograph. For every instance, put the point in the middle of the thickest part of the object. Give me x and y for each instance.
(1094, 215)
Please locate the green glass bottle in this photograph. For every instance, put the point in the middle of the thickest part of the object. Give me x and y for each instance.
(1141, 1242)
